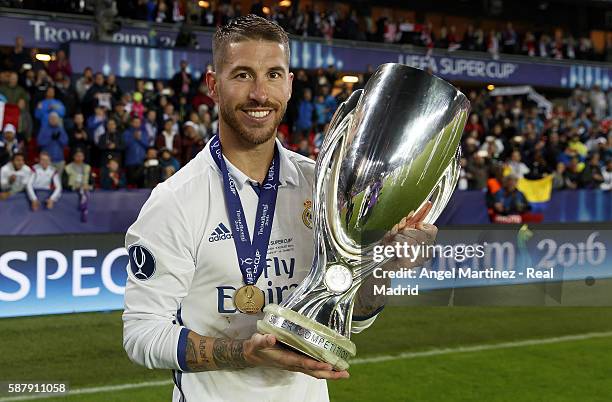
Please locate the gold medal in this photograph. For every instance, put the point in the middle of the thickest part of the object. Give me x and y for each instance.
(249, 299)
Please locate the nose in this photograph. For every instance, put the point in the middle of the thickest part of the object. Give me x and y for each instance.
(258, 92)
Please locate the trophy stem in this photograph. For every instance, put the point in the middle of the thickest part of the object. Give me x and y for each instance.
(308, 336)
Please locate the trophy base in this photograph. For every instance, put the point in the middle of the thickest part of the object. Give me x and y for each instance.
(307, 336)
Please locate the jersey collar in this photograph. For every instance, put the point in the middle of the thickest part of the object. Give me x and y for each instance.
(288, 172)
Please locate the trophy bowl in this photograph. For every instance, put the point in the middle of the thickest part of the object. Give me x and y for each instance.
(389, 148)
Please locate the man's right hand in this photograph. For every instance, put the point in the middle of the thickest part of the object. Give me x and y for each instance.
(12, 179)
(264, 350)
(35, 205)
(205, 353)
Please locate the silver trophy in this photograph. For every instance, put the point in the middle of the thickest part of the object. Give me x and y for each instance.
(389, 148)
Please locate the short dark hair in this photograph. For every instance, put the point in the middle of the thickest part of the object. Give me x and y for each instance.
(248, 27)
(16, 155)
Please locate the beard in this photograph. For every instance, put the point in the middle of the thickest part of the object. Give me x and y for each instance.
(254, 135)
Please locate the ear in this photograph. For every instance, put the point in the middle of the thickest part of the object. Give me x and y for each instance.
(290, 77)
(211, 83)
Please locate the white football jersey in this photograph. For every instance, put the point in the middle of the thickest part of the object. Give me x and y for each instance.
(184, 271)
(22, 176)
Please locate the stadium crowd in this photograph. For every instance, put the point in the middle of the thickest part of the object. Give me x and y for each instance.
(92, 132)
(354, 22)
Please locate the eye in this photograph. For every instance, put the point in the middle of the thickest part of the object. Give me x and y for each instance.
(243, 76)
(274, 74)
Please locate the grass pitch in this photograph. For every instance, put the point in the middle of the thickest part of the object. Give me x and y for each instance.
(86, 350)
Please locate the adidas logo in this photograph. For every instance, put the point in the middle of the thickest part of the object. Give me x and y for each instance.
(221, 233)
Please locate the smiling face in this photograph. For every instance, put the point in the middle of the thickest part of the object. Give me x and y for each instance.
(252, 85)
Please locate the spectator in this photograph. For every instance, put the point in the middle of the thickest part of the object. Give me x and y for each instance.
(509, 200)
(26, 125)
(84, 83)
(492, 145)
(60, 64)
(67, 94)
(493, 45)
(152, 171)
(18, 57)
(303, 148)
(52, 139)
(202, 98)
(138, 108)
(192, 143)
(558, 182)
(9, 144)
(111, 144)
(606, 185)
(572, 173)
(469, 39)
(170, 114)
(113, 88)
(184, 108)
(12, 91)
(474, 125)
(515, 166)
(477, 172)
(604, 150)
(509, 39)
(112, 177)
(321, 112)
(168, 164)
(306, 115)
(330, 103)
(598, 101)
(539, 167)
(121, 115)
(14, 176)
(591, 177)
(48, 105)
(136, 143)
(45, 178)
(96, 124)
(77, 174)
(150, 126)
(97, 95)
(77, 135)
(171, 140)
(181, 81)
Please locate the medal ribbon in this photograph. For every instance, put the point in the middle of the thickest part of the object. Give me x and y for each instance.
(251, 256)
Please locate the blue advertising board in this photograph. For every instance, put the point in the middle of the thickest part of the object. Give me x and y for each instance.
(87, 272)
(61, 274)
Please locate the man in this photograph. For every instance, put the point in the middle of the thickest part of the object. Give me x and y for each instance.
(77, 174)
(509, 200)
(97, 95)
(181, 81)
(136, 142)
(52, 139)
(14, 176)
(182, 302)
(19, 56)
(47, 106)
(13, 91)
(152, 171)
(46, 178)
(9, 144)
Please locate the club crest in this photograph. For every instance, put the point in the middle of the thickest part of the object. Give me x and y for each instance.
(307, 214)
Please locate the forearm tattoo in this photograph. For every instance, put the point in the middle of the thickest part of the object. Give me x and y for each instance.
(366, 302)
(204, 353)
(229, 353)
